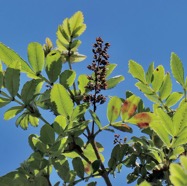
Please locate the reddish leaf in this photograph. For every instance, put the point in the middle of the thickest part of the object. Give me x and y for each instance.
(129, 107)
(142, 119)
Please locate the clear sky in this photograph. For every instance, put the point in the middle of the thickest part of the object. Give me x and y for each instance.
(145, 31)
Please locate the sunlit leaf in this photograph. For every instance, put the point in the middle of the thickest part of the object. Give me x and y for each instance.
(59, 124)
(33, 120)
(173, 98)
(12, 78)
(113, 109)
(166, 88)
(74, 45)
(8, 56)
(12, 112)
(177, 68)
(39, 144)
(61, 98)
(76, 57)
(77, 27)
(95, 118)
(112, 82)
(23, 121)
(67, 78)
(161, 132)
(53, 65)
(29, 90)
(36, 57)
(149, 74)
(82, 82)
(144, 88)
(137, 71)
(180, 119)
(142, 119)
(110, 68)
(4, 101)
(129, 107)
(158, 76)
(178, 175)
(166, 121)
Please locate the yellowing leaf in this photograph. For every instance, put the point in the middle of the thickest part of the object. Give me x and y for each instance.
(142, 119)
(113, 109)
(129, 107)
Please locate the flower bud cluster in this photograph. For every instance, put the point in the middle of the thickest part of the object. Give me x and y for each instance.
(97, 81)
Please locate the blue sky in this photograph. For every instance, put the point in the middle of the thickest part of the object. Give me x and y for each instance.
(145, 31)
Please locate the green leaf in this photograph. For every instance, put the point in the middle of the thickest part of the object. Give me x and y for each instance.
(110, 68)
(177, 68)
(122, 127)
(30, 89)
(158, 76)
(176, 152)
(78, 166)
(183, 160)
(154, 98)
(112, 82)
(67, 78)
(47, 134)
(166, 88)
(23, 121)
(76, 57)
(79, 111)
(129, 107)
(145, 183)
(137, 71)
(53, 65)
(1, 75)
(113, 109)
(161, 132)
(173, 98)
(92, 183)
(149, 74)
(4, 101)
(62, 100)
(77, 27)
(74, 45)
(8, 56)
(166, 121)
(12, 78)
(82, 82)
(36, 57)
(144, 88)
(62, 167)
(12, 112)
(60, 124)
(95, 118)
(33, 120)
(177, 175)
(180, 119)
(95, 165)
(38, 144)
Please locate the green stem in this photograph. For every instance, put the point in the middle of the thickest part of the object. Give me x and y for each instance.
(45, 121)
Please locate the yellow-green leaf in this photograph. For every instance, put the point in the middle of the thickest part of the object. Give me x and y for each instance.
(177, 68)
(62, 99)
(36, 57)
(12, 112)
(137, 71)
